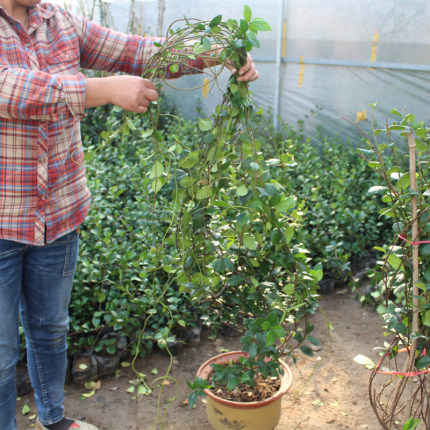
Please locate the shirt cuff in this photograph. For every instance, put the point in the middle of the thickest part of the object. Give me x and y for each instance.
(74, 90)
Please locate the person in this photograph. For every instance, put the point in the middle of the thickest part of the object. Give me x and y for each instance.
(44, 196)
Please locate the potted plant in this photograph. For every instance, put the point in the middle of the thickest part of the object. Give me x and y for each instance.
(244, 388)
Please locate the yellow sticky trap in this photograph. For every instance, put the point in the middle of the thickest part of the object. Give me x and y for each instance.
(374, 46)
(284, 38)
(205, 87)
(361, 116)
(302, 71)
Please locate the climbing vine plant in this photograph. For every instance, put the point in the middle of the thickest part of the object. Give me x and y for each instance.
(230, 241)
(232, 222)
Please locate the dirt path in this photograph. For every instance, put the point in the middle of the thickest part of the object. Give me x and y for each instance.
(334, 397)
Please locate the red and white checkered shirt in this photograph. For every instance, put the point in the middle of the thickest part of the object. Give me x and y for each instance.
(43, 189)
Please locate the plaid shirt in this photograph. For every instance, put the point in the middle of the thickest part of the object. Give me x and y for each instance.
(43, 189)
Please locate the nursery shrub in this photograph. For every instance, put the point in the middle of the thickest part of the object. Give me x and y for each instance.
(123, 272)
(341, 222)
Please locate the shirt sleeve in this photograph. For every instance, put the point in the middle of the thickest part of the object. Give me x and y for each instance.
(37, 95)
(112, 51)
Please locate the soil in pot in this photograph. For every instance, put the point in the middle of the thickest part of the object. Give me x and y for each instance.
(263, 389)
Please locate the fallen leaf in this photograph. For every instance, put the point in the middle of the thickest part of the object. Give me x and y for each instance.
(343, 413)
(125, 364)
(83, 366)
(91, 393)
(93, 385)
(318, 402)
(142, 390)
(25, 409)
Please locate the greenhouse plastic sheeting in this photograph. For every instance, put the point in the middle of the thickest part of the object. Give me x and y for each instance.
(334, 58)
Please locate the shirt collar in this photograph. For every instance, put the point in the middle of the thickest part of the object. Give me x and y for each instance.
(37, 13)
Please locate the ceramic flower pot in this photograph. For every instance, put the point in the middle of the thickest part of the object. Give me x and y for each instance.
(228, 415)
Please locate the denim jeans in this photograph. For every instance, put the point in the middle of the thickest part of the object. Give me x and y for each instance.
(35, 282)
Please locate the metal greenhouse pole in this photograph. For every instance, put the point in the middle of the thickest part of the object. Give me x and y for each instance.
(278, 72)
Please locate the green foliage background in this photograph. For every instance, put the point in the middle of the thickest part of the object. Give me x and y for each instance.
(122, 276)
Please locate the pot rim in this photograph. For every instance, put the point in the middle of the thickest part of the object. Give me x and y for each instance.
(286, 381)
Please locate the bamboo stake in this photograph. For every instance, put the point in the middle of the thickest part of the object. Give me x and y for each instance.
(414, 213)
(415, 267)
(410, 362)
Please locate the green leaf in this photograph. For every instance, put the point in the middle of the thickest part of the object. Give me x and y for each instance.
(192, 399)
(426, 318)
(232, 383)
(398, 127)
(215, 21)
(421, 146)
(243, 28)
(228, 264)
(204, 193)
(147, 133)
(251, 37)
(423, 362)
(174, 68)
(235, 280)
(396, 112)
(395, 262)
(425, 250)
(275, 236)
(259, 24)
(187, 181)
(25, 409)
(249, 242)
(218, 265)
(404, 181)
(411, 424)
(156, 185)
(157, 170)
(272, 337)
(253, 350)
(306, 350)
(204, 124)
(242, 190)
(314, 341)
(206, 43)
(247, 13)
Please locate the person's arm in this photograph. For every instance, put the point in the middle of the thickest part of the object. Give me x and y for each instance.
(36, 95)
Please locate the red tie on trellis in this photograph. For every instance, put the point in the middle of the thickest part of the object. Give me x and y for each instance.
(413, 243)
(389, 372)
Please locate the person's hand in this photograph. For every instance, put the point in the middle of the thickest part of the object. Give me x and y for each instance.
(248, 72)
(131, 93)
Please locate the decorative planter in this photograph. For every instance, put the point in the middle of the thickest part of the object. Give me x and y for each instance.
(227, 415)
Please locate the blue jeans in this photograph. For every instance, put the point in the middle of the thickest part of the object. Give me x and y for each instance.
(35, 282)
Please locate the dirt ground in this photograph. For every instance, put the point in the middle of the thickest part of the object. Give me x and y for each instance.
(329, 390)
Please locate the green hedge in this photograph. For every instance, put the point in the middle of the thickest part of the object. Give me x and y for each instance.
(120, 279)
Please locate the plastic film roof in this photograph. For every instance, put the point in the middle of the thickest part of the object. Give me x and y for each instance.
(335, 57)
